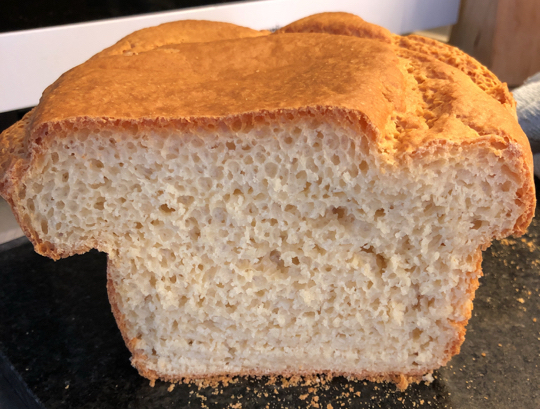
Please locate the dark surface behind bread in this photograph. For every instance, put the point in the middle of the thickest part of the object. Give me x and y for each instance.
(24, 15)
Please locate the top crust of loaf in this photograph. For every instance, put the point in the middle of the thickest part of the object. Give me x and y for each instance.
(340, 24)
(412, 96)
(178, 32)
(412, 46)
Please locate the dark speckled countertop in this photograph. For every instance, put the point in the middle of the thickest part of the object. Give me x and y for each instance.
(58, 332)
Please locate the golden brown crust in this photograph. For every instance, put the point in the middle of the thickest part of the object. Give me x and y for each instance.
(338, 23)
(178, 32)
(14, 152)
(351, 25)
(226, 79)
(452, 56)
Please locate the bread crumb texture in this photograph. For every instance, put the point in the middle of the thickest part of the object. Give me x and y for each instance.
(277, 211)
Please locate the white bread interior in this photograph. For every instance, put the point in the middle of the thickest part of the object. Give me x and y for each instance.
(289, 246)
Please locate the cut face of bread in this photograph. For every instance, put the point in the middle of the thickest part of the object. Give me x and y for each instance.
(283, 236)
(291, 246)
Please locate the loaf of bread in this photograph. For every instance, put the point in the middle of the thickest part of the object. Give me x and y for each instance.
(314, 200)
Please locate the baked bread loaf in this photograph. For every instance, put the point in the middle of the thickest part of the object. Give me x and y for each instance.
(312, 200)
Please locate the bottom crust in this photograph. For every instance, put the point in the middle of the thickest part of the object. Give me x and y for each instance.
(402, 381)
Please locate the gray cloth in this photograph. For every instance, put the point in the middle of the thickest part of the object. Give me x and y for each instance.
(528, 110)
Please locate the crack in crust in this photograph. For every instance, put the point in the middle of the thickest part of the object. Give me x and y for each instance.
(413, 46)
